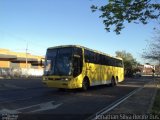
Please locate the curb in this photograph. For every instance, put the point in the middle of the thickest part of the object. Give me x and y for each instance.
(125, 106)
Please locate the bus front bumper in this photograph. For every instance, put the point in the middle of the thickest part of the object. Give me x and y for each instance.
(61, 84)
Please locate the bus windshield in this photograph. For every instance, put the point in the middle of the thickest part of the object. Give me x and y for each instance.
(58, 62)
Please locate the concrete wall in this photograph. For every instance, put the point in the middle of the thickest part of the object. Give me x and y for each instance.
(13, 68)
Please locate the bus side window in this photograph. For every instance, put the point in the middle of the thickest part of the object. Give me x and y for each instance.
(77, 62)
(86, 55)
(89, 56)
(77, 65)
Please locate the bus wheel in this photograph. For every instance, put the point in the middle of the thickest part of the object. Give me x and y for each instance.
(85, 84)
(116, 81)
(113, 82)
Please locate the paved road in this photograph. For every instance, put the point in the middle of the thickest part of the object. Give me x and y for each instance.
(31, 100)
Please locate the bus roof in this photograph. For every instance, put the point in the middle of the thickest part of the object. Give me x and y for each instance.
(79, 46)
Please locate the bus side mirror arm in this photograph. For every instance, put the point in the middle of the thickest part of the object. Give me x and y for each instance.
(42, 62)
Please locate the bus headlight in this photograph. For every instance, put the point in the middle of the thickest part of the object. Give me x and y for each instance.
(66, 79)
(44, 78)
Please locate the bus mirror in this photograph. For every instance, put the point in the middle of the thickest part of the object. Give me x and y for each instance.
(42, 62)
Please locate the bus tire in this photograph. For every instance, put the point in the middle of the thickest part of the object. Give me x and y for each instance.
(85, 84)
(113, 82)
(116, 81)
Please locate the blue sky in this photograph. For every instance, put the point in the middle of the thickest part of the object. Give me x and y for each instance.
(47, 23)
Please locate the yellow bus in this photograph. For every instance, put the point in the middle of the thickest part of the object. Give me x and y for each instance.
(73, 66)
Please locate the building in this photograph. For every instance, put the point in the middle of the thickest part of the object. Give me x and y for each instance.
(151, 69)
(18, 64)
(148, 69)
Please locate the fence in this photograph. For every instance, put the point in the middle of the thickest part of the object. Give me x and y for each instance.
(20, 72)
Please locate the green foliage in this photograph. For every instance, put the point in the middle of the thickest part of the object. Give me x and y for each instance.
(116, 12)
(130, 64)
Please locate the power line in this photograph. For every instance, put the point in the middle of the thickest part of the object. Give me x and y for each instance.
(22, 39)
(33, 51)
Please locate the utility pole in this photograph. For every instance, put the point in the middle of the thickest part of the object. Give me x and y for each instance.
(26, 61)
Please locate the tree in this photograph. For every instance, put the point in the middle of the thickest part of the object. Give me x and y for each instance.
(117, 12)
(130, 64)
(153, 51)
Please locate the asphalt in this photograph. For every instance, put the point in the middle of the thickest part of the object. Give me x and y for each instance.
(139, 103)
(137, 106)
